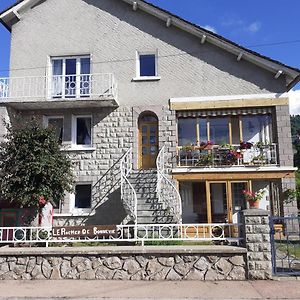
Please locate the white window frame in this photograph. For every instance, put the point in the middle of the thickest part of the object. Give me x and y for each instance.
(138, 69)
(46, 122)
(78, 71)
(80, 211)
(74, 132)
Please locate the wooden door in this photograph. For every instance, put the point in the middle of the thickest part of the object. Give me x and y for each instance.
(148, 142)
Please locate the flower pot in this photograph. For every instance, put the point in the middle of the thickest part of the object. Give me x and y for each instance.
(253, 204)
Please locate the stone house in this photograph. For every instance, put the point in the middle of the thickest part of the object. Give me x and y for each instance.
(165, 121)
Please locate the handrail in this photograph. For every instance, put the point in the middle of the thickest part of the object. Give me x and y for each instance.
(130, 203)
(173, 204)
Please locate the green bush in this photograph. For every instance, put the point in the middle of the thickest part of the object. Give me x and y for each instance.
(32, 165)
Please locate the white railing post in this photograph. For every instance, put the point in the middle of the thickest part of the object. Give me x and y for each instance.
(166, 190)
(128, 193)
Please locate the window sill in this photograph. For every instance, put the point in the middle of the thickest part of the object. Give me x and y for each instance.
(147, 78)
(78, 149)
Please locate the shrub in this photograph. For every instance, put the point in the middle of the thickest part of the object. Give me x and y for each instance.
(32, 165)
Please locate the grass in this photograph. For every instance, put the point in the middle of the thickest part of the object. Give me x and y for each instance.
(293, 249)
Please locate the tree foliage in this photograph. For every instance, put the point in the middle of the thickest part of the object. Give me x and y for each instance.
(32, 165)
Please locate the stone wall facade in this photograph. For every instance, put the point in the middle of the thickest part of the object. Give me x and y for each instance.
(284, 136)
(114, 131)
(135, 264)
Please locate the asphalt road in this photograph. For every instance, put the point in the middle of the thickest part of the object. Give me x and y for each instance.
(72, 289)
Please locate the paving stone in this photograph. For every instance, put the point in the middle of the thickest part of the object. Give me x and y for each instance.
(237, 260)
(113, 262)
(202, 264)
(194, 274)
(223, 266)
(153, 267)
(182, 268)
(174, 276)
(104, 273)
(88, 275)
(131, 266)
(167, 261)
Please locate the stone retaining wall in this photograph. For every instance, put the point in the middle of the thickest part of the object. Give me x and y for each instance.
(125, 263)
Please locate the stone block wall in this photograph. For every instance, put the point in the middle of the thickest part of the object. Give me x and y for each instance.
(284, 135)
(227, 263)
(256, 239)
(115, 130)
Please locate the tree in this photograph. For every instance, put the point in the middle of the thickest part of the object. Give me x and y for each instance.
(32, 166)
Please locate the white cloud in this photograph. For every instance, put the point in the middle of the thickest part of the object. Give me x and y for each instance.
(254, 27)
(210, 28)
(232, 22)
(238, 25)
(294, 102)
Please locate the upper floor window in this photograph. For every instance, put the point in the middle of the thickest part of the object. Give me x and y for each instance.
(257, 128)
(70, 77)
(82, 131)
(57, 124)
(146, 66)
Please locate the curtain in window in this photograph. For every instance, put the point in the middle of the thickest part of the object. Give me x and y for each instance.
(84, 131)
(57, 66)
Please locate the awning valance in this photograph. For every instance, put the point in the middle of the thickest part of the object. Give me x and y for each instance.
(224, 112)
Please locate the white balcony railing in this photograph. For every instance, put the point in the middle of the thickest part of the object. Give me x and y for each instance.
(58, 87)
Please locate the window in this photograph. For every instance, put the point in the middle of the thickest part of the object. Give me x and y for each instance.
(147, 65)
(257, 129)
(82, 131)
(70, 77)
(219, 130)
(57, 123)
(83, 196)
(187, 133)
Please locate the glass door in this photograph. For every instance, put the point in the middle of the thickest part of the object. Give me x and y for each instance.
(71, 77)
(225, 200)
(219, 202)
(239, 202)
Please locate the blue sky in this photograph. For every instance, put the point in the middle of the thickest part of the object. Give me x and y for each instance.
(266, 26)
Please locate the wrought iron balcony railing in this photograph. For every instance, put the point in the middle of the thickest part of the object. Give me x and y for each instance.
(220, 156)
(57, 87)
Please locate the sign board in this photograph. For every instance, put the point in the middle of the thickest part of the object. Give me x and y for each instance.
(100, 231)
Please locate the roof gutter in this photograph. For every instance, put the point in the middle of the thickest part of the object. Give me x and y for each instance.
(6, 26)
(293, 83)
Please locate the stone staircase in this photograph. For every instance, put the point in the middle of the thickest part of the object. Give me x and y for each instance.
(149, 209)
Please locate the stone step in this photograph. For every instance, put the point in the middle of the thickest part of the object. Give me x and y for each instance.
(150, 207)
(155, 220)
(146, 190)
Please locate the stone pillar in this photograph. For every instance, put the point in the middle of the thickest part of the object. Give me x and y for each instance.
(290, 207)
(256, 239)
(283, 123)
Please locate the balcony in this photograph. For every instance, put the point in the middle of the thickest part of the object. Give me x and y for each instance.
(71, 91)
(226, 156)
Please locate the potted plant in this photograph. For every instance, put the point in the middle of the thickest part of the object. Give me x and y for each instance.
(245, 145)
(254, 198)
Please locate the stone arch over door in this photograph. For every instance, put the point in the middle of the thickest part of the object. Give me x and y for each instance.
(148, 140)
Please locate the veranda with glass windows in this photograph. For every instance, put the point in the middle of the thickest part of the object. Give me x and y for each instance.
(220, 201)
(226, 137)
